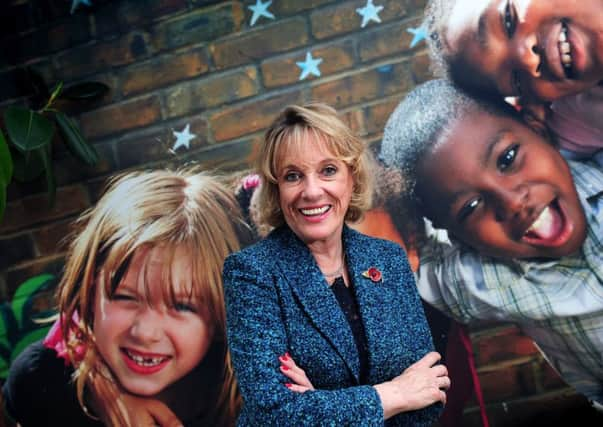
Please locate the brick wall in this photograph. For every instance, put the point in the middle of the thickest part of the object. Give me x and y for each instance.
(175, 62)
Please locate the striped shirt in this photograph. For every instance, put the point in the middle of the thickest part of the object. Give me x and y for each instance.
(558, 303)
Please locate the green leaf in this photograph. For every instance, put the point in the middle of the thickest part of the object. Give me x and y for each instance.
(27, 129)
(51, 183)
(4, 368)
(28, 166)
(29, 338)
(75, 141)
(25, 291)
(6, 162)
(85, 90)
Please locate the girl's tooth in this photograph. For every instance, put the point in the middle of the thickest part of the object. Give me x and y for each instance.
(562, 36)
(566, 58)
(565, 47)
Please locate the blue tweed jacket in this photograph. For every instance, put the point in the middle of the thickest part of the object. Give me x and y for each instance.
(277, 300)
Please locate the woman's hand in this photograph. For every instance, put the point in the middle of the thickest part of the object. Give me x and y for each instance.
(421, 384)
(146, 412)
(299, 381)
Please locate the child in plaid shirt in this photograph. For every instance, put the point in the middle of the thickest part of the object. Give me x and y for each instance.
(520, 229)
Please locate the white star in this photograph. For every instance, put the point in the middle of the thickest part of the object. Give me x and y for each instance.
(260, 9)
(370, 12)
(418, 35)
(309, 66)
(76, 3)
(183, 138)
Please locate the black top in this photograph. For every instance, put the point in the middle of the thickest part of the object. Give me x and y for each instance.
(39, 391)
(347, 302)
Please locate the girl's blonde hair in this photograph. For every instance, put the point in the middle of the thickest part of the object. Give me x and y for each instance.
(293, 127)
(184, 208)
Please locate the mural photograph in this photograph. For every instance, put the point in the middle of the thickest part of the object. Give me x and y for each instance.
(301, 212)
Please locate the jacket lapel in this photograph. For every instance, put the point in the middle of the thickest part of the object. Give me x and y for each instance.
(300, 270)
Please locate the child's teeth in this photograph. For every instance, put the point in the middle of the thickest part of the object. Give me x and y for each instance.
(565, 47)
(145, 361)
(562, 36)
(542, 223)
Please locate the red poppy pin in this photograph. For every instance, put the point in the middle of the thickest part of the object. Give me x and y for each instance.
(372, 273)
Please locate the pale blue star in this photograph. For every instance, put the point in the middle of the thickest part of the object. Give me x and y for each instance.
(183, 138)
(76, 3)
(260, 9)
(370, 12)
(418, 35)
(309, 66)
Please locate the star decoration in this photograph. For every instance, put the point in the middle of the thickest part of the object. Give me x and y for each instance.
(370, 12)
(309, 66)
(76, 3)
(183, 138)
(418, 35)
(260, 9)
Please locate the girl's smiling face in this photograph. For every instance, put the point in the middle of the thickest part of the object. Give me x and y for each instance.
(502, 189)
(147, 342)
(538, 49)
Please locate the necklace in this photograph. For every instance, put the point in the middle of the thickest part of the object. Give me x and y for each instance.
(335, 273)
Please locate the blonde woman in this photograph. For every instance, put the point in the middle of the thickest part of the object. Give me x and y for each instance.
(142, 310)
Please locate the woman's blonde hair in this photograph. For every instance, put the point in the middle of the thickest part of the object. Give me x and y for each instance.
(184, 208)
(293, 127)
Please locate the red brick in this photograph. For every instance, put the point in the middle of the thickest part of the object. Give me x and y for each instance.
(163, 71)
(122, 16)
(355, 121)
(502, 346)
(69, 169)
(256, 44)
(421, 68)
(364, 86)
(377, 114)
(201, 25)
(15, 249)
(102, 56)
(388, 40)
(284, 70)
(213, 91)
(120, 117)
(292, 7)
(228, 157)
(157, 146)
(53, 238)
(506, 383)
(343, 18)
(248, 118)
(34, 209)
(16, 276)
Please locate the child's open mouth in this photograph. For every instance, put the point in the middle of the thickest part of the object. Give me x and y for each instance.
(551, 228)
(144, 363)
(565, 51)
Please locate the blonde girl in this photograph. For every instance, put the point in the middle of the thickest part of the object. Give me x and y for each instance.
(142, 307)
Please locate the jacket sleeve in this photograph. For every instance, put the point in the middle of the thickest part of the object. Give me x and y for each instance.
(256, 337)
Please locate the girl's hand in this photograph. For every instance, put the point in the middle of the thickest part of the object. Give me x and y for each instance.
(146, 412)
(299, 381)
(421, 384)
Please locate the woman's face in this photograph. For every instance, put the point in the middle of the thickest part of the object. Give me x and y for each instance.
(315, 189)
(147, 342)
(540, 50)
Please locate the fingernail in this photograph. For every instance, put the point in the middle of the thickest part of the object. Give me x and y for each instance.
(287, 355)
(284, 368)
(283, 357)
(288, 385)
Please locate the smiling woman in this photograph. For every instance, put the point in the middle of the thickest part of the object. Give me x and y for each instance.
(341, 304)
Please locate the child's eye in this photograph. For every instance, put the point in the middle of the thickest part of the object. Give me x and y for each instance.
(123, 297)
(506, 159)
(329, 170)
(468, 209)
(185, 306)
(509, 19)
(292, 176)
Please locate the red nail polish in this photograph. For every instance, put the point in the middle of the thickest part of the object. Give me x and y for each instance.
(284, 368)
(288, 385)
(287, 355)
